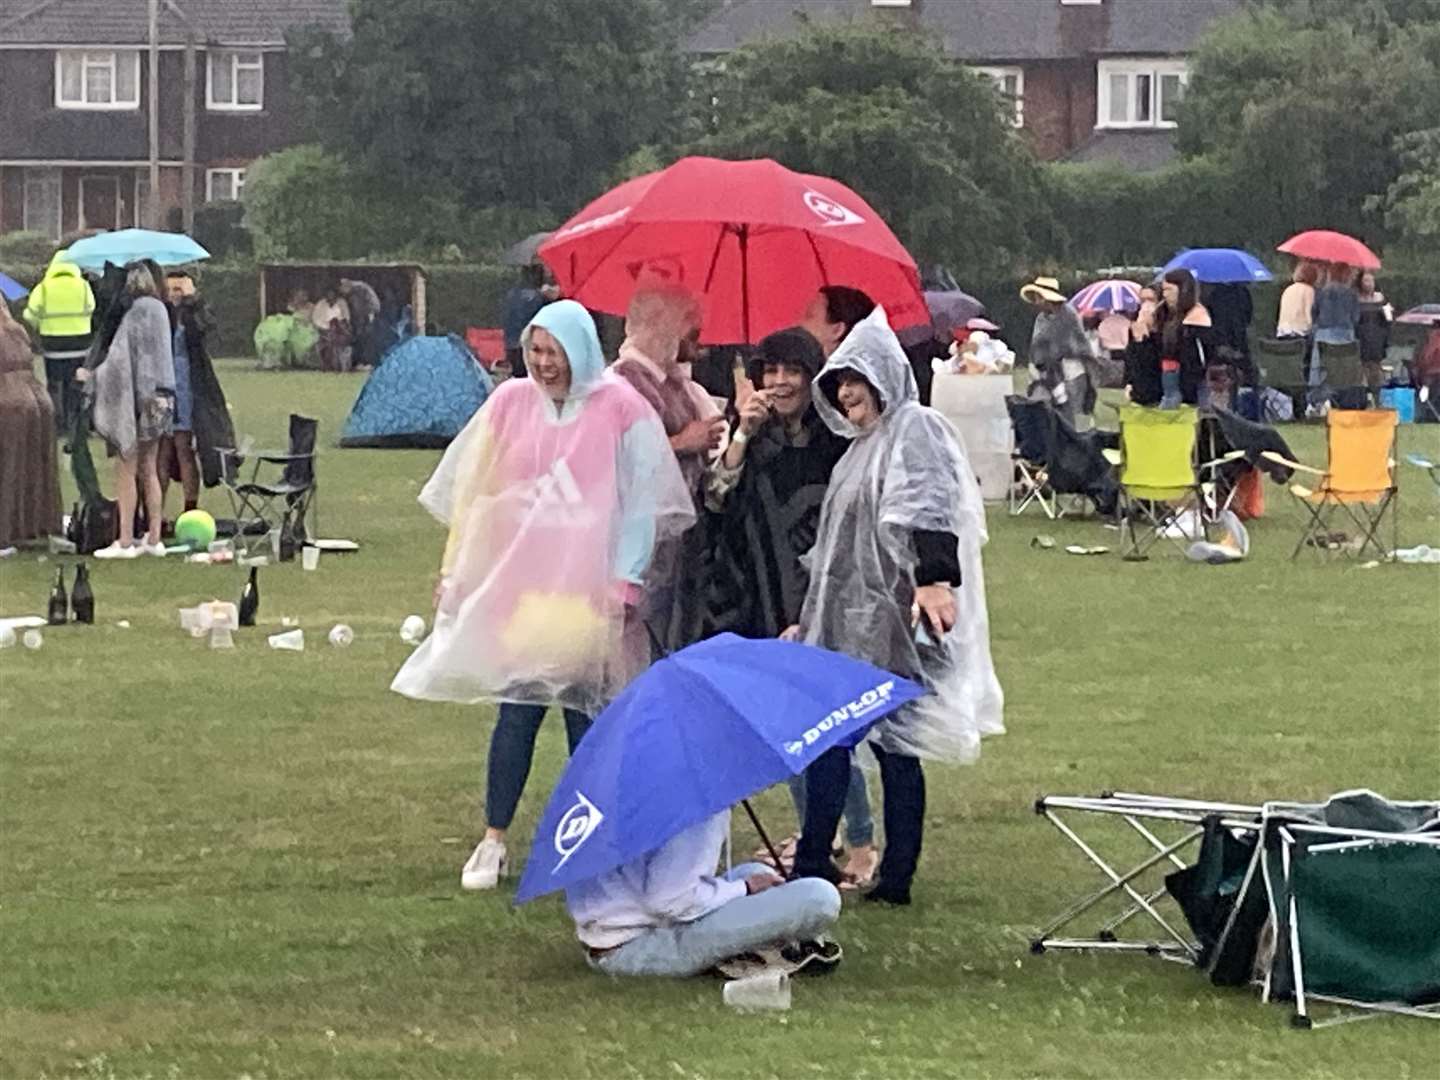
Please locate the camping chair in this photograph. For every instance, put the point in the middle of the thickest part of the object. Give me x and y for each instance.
(1169, 830)
(1281, 363)
(280, 489)
(1344, 374)
(1052, 459)
(1159, 477)
(1359, 478)
(1313, 902)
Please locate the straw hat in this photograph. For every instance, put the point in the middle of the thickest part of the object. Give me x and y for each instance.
(1043, 288)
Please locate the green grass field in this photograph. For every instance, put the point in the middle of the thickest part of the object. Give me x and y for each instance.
(226, 864)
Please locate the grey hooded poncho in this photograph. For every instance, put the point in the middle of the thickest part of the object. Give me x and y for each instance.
(137, 366)
(906, 474)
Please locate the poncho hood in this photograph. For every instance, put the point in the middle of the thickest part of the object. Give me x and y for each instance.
(873, 351)
(573, 327)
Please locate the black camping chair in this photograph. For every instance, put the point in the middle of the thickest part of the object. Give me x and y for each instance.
(1344, 375)
(1053, 459)
(1282, 363)
(280, 489)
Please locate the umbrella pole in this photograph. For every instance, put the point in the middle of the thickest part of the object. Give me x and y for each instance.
(764, 838)
(745, 289)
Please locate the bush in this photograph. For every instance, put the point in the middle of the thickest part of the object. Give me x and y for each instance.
(20, 248)
(220, 229)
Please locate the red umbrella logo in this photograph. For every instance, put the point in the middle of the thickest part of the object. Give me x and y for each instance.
(831, 212)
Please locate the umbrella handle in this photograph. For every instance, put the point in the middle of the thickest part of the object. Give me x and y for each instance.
(765, 839)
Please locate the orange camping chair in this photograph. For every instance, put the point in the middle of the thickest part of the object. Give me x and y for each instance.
(487, 344)
(1358, 479)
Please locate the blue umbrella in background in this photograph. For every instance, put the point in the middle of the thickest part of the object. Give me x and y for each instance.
(1216, 266)
(698, 732)
(11, 289)
(127, 245)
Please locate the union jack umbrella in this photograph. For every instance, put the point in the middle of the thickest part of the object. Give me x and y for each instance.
(1109, 294)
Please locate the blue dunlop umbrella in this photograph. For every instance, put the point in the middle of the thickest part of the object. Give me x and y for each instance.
(1217, 266)
(127, 245)
(698, 732)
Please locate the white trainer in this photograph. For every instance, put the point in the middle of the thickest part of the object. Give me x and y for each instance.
(487, 864)
(117, 551)
(156, 549)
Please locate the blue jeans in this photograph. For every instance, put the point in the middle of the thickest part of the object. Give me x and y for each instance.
(859, 824)
(793, 911)
(512, 747)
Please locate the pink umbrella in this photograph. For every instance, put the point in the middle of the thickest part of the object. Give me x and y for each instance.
(1324, 245)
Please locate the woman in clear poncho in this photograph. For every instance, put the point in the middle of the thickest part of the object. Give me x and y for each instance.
(896, 580)
(555, 493)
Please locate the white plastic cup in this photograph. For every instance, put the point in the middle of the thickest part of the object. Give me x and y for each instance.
(768, 990)
(310, 557)
(33, 639)
(341, 635)
(275, 545)
(293, 640)
(412, 630)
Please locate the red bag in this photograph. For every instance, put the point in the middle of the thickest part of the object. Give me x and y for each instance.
(1249, 501)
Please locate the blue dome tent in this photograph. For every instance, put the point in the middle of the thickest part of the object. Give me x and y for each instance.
(423, 391)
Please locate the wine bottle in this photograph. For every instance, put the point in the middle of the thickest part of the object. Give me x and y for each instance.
(59, 613)
(250, 598)
(82, 599)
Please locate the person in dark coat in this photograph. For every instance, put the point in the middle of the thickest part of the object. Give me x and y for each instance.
(1172, 346)
(1231, 311)
(768, 486)
(202, 419)
(29, 473)
(521, 304)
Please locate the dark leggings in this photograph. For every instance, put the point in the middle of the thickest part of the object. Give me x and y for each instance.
(512, 747)
(827, 781)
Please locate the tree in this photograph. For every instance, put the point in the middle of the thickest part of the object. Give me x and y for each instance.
(493, 101)
(1412, 204)
(1310, 100)
(923, 139)
(298, 202)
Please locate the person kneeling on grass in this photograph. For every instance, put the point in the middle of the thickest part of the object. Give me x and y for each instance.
(666, 913)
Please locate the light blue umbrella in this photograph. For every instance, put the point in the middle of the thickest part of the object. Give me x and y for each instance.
(1215, 266)
(127, 245)
(11, 289)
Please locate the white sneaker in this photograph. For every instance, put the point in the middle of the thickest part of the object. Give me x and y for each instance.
(487, 864)
(158, 550)
(116, 551)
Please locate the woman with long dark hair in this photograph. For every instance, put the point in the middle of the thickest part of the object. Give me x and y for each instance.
(1171, 345)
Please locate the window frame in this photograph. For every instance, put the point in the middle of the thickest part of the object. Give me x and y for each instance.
(1132, 71)
(50, 178)
(116, 57)
(999, 73)
(212, 56)
(237, 182)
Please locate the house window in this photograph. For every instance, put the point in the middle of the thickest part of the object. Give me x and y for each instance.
(236, 81)
(42, 202)
(1139, 93)
(223, 184)
(97, 80)
(1010, 81)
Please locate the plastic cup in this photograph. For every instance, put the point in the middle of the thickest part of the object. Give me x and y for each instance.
(310, 557)
(768, 990)
(275, 545)
(33, 639)
(341, 635)
(412, 630)
(293, 640)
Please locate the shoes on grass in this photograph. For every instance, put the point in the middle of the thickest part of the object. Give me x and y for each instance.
(894, 896)
(119, 551)
(487, 864)
(818, 956)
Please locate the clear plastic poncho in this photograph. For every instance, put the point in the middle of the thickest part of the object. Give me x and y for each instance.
(908, 472)
(554, 511)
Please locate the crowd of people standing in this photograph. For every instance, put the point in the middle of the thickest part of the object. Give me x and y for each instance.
(602, 517)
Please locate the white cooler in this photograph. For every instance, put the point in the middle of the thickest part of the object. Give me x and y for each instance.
(975, 404)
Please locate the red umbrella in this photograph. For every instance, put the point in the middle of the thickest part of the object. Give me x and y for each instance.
(1323, 245)
(753, 239)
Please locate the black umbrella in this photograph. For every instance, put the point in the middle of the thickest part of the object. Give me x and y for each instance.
(524, 253)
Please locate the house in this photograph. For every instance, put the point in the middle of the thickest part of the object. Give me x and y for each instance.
(1091, 79)
(74, 109)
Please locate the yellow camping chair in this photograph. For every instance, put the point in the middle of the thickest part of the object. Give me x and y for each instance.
(1160, 479)
(1359, 479)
